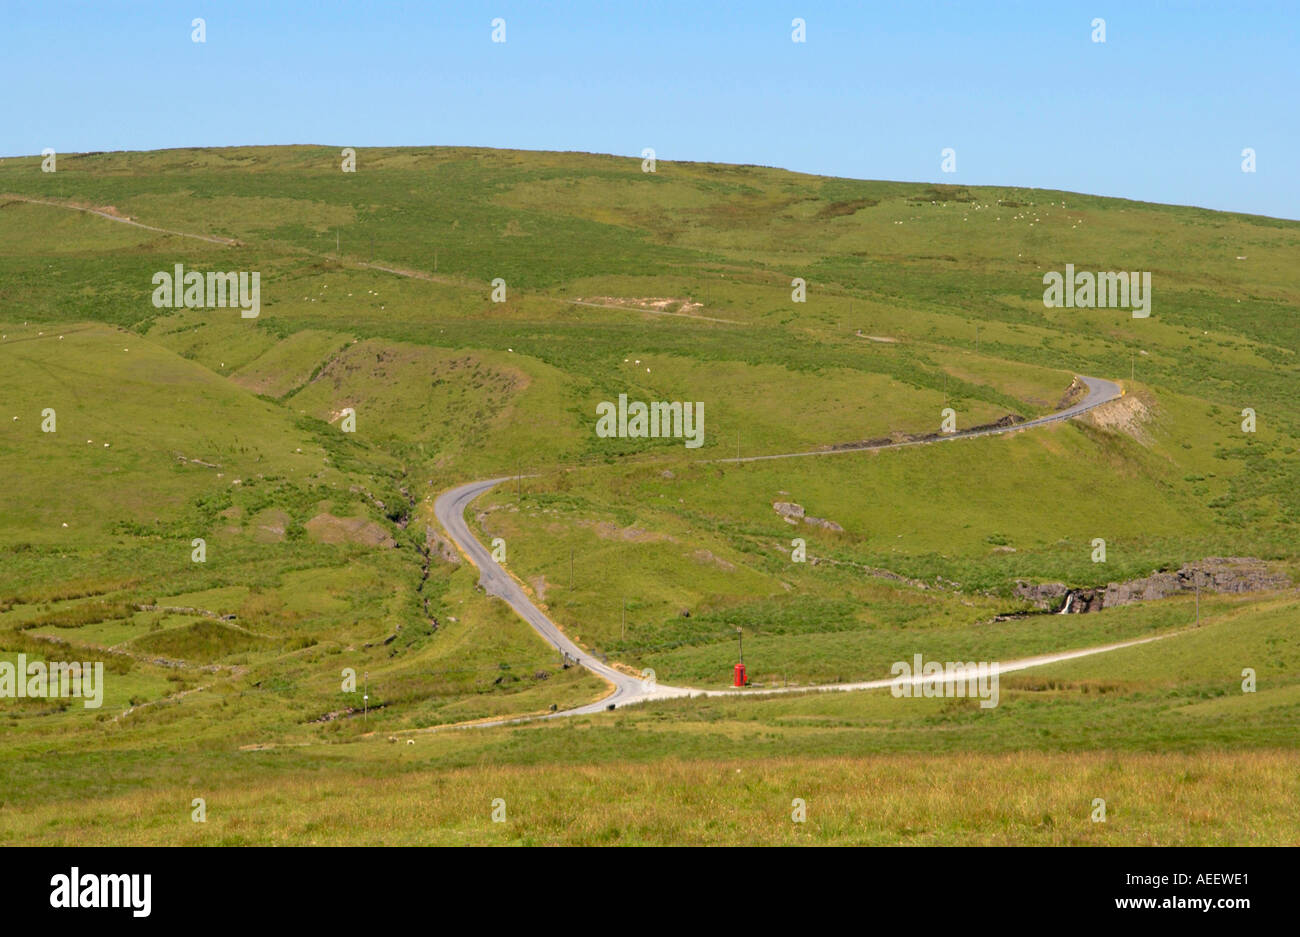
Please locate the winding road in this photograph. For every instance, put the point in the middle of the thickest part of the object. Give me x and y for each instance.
(627, 688)
(450, 510)
(1099, 391)
(451, 505)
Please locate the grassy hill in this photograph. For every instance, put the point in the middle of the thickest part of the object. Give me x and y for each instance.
(225, 676)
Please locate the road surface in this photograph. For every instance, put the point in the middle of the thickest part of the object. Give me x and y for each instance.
(1099, 391)
(450, 508)
(451, 505)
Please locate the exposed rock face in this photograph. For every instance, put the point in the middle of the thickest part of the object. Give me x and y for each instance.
(441, 547)
(1045, 595)
(1232, 574)
(823, 523)
(1128, 415)
(792, 513)
(1073, 394)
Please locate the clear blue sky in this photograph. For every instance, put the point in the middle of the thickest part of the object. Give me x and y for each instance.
(1160, 112)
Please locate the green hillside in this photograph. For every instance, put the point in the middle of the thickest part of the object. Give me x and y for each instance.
(322, 553)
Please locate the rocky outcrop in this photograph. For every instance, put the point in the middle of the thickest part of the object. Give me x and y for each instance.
(793, 513)
(441, 547)
(1232, 575)
(823, 523)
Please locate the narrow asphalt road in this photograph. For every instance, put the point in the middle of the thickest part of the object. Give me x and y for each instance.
(450, 510)
(451, 505)
(1099, 391)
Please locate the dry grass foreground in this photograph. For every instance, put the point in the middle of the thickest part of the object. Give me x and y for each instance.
(1198, 798)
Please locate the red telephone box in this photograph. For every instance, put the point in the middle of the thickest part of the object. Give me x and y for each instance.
(741, 679)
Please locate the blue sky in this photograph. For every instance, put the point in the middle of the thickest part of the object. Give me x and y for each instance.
(1161, 111)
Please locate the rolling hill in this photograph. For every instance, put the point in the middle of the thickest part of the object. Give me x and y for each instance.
(321, 552)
